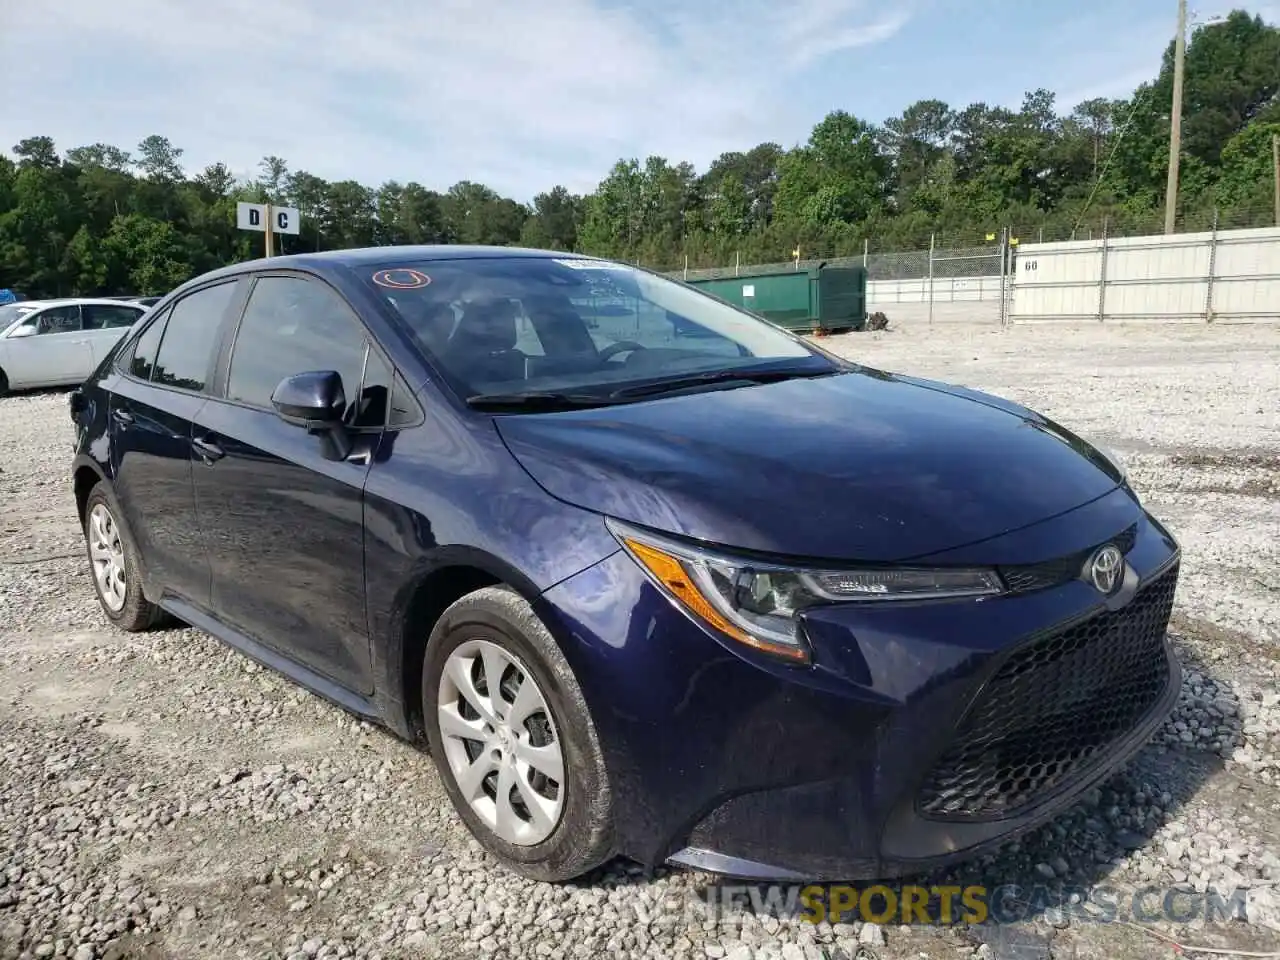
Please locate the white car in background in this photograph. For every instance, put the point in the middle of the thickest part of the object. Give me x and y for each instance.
(54, 343)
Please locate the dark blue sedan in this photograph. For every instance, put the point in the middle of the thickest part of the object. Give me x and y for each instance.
(721, 600)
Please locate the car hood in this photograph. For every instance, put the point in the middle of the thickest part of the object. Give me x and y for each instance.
(858, 466)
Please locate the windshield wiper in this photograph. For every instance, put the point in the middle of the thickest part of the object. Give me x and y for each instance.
(717, 376)
(536, 400)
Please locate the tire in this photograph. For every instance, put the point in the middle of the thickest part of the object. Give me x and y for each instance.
(466, 633)
(4, 384)
(112, 542)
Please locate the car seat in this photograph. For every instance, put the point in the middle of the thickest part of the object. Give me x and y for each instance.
(483, 347)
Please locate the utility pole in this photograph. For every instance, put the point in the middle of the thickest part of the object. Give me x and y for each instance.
(1175, 120)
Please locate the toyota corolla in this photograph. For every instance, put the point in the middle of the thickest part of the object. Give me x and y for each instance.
(724, 600)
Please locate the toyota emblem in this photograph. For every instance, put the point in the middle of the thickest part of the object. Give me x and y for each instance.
(1105, 568)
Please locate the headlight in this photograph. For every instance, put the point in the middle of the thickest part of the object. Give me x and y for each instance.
(759, 604)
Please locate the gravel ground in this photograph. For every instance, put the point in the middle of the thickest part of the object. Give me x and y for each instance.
(163, 796)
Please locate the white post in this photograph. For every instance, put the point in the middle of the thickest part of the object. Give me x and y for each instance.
(932, 238)
(1004, 278)
(1213, 269)
(1102, 273)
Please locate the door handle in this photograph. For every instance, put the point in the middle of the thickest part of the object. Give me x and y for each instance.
(208, 450)
(122, 416)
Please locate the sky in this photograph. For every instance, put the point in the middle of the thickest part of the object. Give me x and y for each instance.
(525, 94)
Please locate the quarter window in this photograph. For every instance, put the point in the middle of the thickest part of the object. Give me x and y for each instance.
(190, 336)
(143, 360)
(292, 325)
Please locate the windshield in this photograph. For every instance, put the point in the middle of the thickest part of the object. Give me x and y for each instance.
(518, 324)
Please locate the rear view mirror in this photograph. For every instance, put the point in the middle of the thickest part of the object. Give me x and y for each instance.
(314, 400)
(24, 331)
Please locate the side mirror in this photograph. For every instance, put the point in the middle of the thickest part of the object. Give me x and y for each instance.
(24, 331)
(313, 400)
(316, 401)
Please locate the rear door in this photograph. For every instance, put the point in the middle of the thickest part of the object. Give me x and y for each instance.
(164, 375)
(283, 524)
(104, 325)
(57, 353)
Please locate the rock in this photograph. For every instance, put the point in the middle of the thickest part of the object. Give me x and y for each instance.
(417, 941)
(871, 935)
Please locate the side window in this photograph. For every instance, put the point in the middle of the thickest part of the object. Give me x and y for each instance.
(190, 336)
(57, 320)
(100, 316)
(293, 325)
(143, 360)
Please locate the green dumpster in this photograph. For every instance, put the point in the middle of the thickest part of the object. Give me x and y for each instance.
(824, 298)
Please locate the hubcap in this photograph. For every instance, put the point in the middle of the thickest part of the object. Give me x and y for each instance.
(106, 553)
(500, 742)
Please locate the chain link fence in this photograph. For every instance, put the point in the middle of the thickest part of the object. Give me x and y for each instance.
(932, 284)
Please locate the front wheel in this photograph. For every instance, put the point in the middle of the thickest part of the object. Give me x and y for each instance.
(513, 739)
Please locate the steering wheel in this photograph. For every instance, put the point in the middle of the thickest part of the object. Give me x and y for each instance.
(622, 346)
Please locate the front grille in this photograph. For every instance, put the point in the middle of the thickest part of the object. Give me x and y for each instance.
(1051, 573)
(1053, 708)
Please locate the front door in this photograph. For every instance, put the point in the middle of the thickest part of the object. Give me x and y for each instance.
(284, 525)
(57, 353)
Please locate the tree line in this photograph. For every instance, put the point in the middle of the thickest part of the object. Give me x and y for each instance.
(98, 219)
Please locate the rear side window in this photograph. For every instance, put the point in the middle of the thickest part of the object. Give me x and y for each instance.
(292, 325)
(143, 360)
(100, 316)
(190, 337)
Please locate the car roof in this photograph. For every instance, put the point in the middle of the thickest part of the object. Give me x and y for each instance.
(408, 253)
(365, 256)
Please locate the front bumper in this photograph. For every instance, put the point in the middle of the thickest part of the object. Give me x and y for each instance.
(862, 765)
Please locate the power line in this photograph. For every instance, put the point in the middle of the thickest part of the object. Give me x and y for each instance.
(1133, 109)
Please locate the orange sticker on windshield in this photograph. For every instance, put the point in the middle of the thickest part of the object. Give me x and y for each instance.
(401, 278)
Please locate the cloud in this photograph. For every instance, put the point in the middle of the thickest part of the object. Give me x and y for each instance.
(510, 93)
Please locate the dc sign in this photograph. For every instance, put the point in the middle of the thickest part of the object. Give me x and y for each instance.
(269, 219)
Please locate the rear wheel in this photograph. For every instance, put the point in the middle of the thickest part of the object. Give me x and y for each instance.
(512, 737)
(113, 561)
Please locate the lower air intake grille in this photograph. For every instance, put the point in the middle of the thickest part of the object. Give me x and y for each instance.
(1052, 710)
